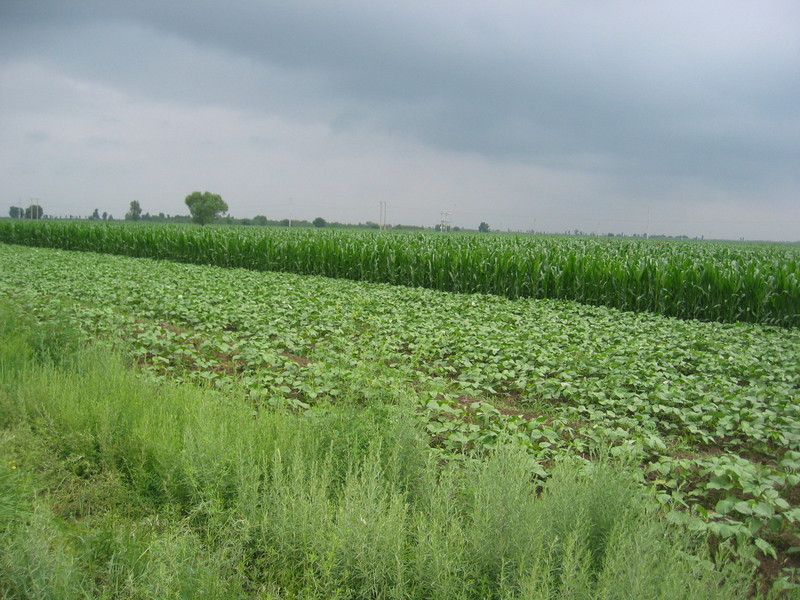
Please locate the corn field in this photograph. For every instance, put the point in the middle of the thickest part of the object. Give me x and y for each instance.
(712, 281)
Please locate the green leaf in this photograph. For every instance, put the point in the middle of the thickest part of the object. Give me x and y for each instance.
(720, 482)
(762, 509)
(766, 547)
(725, 506)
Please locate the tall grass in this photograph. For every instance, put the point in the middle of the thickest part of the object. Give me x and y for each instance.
(709, 281)
(148, 490)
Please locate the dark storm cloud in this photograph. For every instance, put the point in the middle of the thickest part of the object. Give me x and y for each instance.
(639, 83)
(645, 95)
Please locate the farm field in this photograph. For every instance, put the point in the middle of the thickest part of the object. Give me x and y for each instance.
(708, 411)
(717, 281)
(112, 486)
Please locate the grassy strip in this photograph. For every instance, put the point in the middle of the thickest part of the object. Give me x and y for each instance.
(112, 487)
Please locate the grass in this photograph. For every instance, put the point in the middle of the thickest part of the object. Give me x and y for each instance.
(131, 489)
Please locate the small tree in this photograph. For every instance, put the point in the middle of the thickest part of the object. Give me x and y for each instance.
(95, 215)
(134, 212)
(205, 207)
(483, 227)
(15, 212)
(34, 211)
(319, 222)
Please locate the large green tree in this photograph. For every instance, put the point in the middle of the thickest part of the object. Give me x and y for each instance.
(34, 211)
(134, 212)
(205, 206)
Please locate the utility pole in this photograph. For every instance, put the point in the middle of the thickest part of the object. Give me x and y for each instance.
(382, 218)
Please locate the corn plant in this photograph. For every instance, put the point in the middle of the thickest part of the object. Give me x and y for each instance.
(710, 281)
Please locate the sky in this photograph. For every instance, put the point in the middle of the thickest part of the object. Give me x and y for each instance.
(665, 118)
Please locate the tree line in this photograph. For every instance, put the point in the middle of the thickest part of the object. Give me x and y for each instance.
(34, 211)
(206, 207)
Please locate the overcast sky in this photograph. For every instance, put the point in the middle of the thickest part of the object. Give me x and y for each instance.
(661, 117)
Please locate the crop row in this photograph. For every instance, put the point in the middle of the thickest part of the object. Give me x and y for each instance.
(710, 281)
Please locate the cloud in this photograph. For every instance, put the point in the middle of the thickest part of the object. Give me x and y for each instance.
(570, 114)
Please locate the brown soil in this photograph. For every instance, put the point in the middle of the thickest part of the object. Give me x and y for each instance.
(300, 360)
